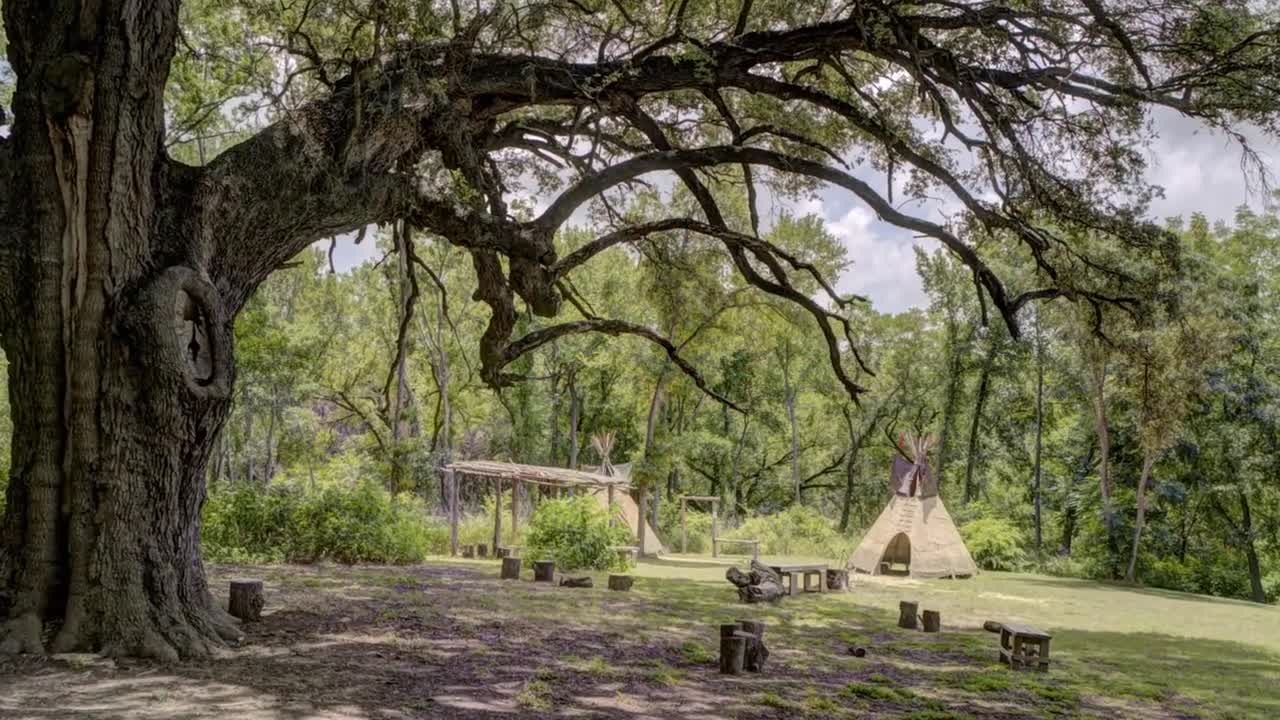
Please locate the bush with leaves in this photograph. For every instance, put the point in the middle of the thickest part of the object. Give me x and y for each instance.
(995, 543)
(795, 531)
(346, 523)
(576, 534)
(698, 528)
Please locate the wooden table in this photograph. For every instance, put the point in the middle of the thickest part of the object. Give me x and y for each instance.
(1024, 647)
(789, 572)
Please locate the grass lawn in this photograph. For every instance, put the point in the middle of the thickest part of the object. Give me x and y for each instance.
(449, 640)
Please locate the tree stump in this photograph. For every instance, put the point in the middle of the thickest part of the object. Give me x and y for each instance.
(733, 649)
(932, 621)
(907, 614)
(543, 570)
(577, 582)
(621, 583)
(468, 551)
(756, 652)
(837, 579)
(246, 600)
(482, 550)
(510, 568)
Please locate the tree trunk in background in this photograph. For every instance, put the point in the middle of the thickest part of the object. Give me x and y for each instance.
(951, 399)
(1148, 461)
(789, 399)
(980, 402)
(1098, 382)
(117, 337)
(846, 505)
(1069, 516)
(575, 411)
(1039, 525)
(553, 452)
(1256, 592)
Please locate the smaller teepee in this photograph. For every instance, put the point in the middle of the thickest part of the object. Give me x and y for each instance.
(914, 535)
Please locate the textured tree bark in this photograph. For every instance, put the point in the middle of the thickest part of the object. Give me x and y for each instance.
(1256, 591)
(1148, 461)
(118, 338)
(1098, 380)
(1036, 480)
(979, 406)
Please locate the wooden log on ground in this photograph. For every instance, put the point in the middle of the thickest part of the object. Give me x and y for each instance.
(468, 551)
(733, 649)
(756, 652)
(577, 582)
(482, 550)
(907, 614)
(621, 583)
(931, 620)
(510, 568)
(762, 584)
(543, 570)
(837, 579)
(246, 600)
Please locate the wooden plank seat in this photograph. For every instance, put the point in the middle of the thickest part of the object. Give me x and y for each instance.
(814, 577)
(717, 542)
(1024, 647)
(625, 551)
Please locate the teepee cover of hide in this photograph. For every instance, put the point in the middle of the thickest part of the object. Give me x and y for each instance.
(915, 529)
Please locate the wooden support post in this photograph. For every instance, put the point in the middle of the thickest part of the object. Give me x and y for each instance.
(733, 649)
(640, 521)
(497, 513)
(715, 552)
(515, 511)
(684, 526)
(451, 480)
(510, 568)
(907, 614)
(246, 600)
(932, 621)
(612, 519)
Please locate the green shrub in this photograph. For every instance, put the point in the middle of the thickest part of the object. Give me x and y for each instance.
(995, 544)
(344, 523)
(1064, 566)
(698, 526)
(794, 531)
(575, 533)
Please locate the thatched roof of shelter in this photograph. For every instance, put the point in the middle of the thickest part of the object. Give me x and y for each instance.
(537, 474)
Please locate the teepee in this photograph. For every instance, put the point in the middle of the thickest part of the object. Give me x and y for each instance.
(628, 511)
(914, 535)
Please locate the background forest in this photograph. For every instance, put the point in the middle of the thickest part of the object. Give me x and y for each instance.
(1095, 446)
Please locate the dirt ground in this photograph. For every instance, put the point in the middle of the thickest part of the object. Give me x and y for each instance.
(450, 640)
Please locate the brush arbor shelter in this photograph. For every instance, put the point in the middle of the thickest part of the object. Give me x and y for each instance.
(513, 475)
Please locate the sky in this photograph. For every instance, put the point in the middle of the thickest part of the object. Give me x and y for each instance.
(1200, 172)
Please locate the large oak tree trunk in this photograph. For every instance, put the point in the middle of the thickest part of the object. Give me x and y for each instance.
(119, 345)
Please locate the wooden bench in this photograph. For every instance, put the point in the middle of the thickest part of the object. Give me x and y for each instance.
(627, 551)
(1024, 647)
(808, 572)
(755, 546)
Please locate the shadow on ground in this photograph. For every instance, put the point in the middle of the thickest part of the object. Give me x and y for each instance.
(452, 641)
